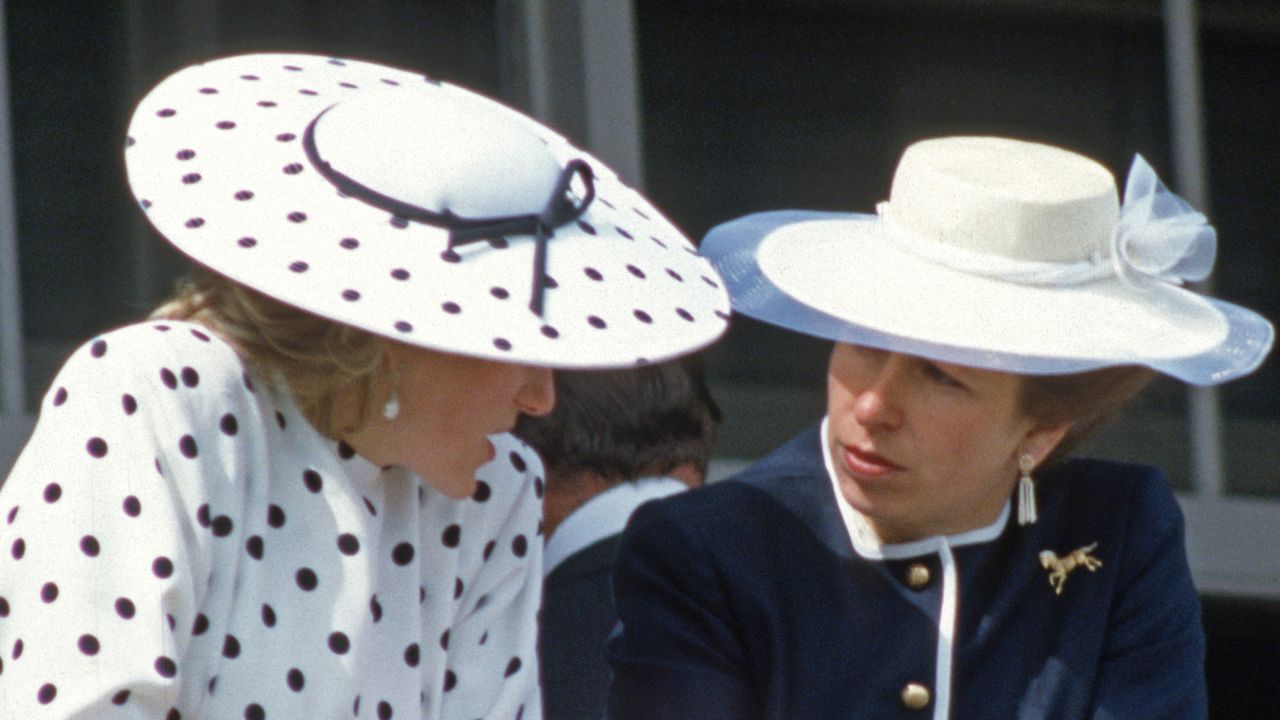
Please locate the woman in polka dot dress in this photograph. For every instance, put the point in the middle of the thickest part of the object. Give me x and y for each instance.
(291, 493)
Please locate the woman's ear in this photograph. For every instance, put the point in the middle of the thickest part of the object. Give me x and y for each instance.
(1041, 440)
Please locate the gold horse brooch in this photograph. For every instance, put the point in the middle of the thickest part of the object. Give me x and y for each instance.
(1060, 567)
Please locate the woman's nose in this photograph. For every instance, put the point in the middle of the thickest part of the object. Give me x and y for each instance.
(878, 402)
(537, 395)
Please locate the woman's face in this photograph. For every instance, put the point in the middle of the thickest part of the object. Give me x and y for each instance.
(924, 448)
(448, 405)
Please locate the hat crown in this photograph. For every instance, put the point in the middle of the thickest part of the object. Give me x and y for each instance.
(1004, 197)
(421, 150)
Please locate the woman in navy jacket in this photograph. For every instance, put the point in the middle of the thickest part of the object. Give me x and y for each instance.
(927, 550)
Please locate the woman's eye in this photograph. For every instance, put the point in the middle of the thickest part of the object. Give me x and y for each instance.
(937, 374)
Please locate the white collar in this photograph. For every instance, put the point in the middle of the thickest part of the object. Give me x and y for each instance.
(603, 515)
(868, 544)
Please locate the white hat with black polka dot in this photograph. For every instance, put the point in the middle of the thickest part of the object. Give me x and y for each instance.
(417, 210)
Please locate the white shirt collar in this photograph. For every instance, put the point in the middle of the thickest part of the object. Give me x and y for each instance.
(603, 515)
(868, 544)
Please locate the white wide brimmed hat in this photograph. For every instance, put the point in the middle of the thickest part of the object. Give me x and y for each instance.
(1000, 254)
(417, 210)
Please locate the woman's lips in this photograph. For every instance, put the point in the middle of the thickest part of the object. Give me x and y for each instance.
(868, 465)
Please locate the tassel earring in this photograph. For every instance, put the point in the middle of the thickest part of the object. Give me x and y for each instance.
(1026, 490)
(391, 409)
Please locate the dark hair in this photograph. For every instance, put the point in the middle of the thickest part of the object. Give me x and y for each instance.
(1086, 400)
(625, 424)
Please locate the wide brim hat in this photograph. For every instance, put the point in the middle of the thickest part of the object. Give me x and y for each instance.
(1000, 254)
(417, 210)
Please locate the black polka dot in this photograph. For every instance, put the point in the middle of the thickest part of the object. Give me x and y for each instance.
(167, 112)
(450, 680)
(89, 546)
(98, 349)
(18, 549)
(280, 420)
(223, 526)
(120, 698)
(502, 343)
(208, 91)
(195, 222)
(292, 168)
(191, 178)
(520, 545)
(403, 326)
(451, 307)
(412, 655)
(517, 462)
(297, 216)
(375, 608)
(684, 314)
(384, 708)
(339, 643)
(202, 515)
(642, 316)
(247, 242)
(132, 506)
(266, 103)
(49, 592)
(97, 447)
(513, 667)
(402, 554)
(254, 711)
(345, 451)
(187, 444)
(162, 567)
(348, 544)
(295, 680)
(368, 505)
(710, 282)
(17, 649)
(230, 647)
(624, 233)
(186, 154)
(299, 266)
(482, 492)
(593, 273)
(168, 378)
(166, 667)
(350, 295)
(452, 536)
(275, 516)
(587, 227)
(173, 714)
(268, 615)
(125, 608)
(312, 480)
(307, 579)
(488, 548)
(88, 644)
(229, 425)
(499, 292)
(129, 403)
(190, 377)
(458, 587)
(636, 271)
(199, 335)
(400, 274)
(201, 624)
(59, 397)
(596, 322)
(47, 693)
(550, 332)
(243, 195)
(52, 492)
(538, 487)
(225, 125)
(13, 514)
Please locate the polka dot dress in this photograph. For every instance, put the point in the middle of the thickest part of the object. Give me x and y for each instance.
(176, 541)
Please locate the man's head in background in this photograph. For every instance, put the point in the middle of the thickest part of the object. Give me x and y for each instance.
(612, 426)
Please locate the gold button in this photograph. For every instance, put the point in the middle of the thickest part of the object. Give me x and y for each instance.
(918, 575)
(915, 696)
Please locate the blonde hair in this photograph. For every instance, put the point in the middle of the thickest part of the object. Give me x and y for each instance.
(320, 359)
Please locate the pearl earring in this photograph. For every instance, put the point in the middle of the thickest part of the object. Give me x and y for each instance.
(1026, 490)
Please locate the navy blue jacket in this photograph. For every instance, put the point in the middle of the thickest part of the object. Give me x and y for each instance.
(746, 599)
